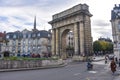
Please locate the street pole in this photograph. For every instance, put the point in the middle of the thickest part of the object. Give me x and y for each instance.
(118, 45)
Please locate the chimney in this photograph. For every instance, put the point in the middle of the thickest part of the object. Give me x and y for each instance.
(4, 32)
(35, 23)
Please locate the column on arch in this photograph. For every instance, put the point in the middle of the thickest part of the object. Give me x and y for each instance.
(57, 46)
(53, 42)
(75, 39)
(81, 38)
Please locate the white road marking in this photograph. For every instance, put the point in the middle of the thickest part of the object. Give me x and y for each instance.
(87, 79)
(99, 63)
(93, 72)
(77, 74)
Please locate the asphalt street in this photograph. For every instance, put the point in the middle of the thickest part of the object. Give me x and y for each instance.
(73, 71)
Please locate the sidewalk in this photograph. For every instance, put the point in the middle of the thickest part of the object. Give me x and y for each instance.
(117, 73)
(98, 58)
(118, 78)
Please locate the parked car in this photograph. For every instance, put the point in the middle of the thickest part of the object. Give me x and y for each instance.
(111, 56)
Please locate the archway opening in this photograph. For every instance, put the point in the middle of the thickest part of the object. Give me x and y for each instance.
(6, 54)
(67, 43)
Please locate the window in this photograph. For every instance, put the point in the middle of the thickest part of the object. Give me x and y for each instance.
(33, 47)
(119, 26)
(48, 35)
(7, 36)
(24, 42)
(39, 47)
(119, 14)
(115, 10)
(33, 35)
(18, 43)
(24, 36)
(38, 34)
(29, 35)
(14, 36)
(29, 48)
(29, 42)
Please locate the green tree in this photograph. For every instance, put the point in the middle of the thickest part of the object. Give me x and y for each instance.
(96, 46)
(102, 45)
(110, 47)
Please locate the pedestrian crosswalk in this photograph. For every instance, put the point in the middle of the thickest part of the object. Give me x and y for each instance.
(87, 79)
(101, 70)
(92, 72)
(100, 63)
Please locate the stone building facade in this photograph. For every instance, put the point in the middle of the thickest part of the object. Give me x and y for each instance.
(26, 42)
(2, 36)
(115, 21)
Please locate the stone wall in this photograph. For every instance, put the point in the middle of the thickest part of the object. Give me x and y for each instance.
(9, 64)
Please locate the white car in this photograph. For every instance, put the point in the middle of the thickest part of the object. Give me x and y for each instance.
(111, 56)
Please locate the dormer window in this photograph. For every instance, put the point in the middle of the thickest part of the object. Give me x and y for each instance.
(14, 36)
(49, 35)
(24, 36)
(38, 34)
(115, 10)
(29, 35)
(33, 35)
(7, 36)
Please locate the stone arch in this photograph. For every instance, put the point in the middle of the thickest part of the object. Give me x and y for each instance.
(63, 38)
(76, 19)
(64, 42)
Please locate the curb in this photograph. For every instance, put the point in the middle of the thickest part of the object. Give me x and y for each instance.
(37, 68)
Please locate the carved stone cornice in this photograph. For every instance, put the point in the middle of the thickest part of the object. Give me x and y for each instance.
(70, 15)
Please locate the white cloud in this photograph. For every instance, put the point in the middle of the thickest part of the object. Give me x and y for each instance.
(25, 10)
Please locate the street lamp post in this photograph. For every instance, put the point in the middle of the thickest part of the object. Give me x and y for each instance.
(118, 48)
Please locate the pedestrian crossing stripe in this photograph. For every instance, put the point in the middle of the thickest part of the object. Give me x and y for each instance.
(92, 71)
(87, 79)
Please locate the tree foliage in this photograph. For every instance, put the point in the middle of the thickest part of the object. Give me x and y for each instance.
(96, 46)
(101, 45)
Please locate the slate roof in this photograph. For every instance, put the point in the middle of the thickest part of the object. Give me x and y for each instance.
(115, 13)
(29, 34)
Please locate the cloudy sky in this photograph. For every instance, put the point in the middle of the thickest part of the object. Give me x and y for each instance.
(19, 14)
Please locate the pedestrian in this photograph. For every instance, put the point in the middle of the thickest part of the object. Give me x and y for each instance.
(89, 65)
(105, 59)
(113, 66)
(116, 60)
(119, 62)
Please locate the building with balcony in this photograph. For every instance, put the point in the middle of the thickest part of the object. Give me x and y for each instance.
(115, 21)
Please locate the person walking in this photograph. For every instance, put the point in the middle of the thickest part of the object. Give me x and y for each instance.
(89, 65)
(113, 66)
(105, 59)
(119, 62)
(116, 60)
